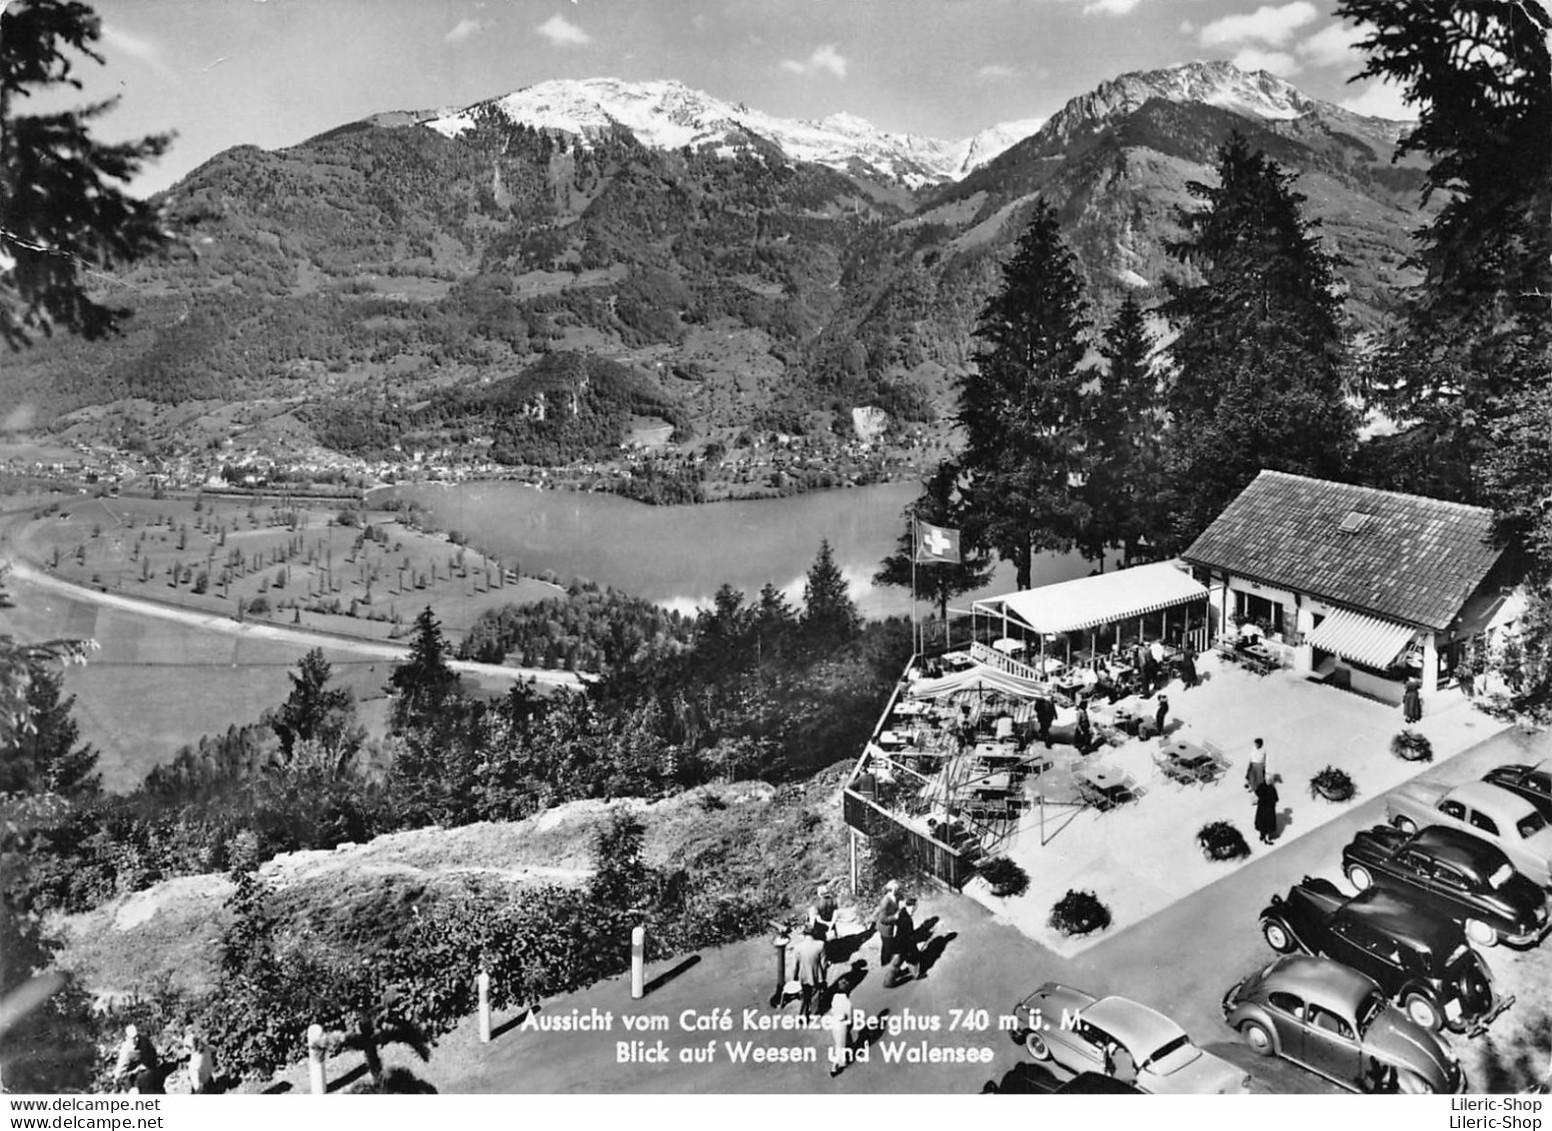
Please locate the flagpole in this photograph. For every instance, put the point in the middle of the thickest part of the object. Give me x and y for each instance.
(915, 541)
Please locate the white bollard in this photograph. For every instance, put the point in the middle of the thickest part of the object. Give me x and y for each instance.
(320, 1084)
(484, 984)
(638, 962)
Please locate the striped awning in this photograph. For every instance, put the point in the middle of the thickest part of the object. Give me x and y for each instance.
(1362, 639)
(1105, 598)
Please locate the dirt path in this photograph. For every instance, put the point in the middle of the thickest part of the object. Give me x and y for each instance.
(23, 574)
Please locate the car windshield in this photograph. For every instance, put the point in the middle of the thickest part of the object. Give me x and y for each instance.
(1500, 876)
(1166, 1048)
(1531, 824)
(1368, 1009)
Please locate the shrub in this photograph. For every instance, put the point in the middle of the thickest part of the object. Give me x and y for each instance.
(1332, 784)
(1079, 913)
(1220, 840)
(258, 606)
(1410, 746)
(1005, 876)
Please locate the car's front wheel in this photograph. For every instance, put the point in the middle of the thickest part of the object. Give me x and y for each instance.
(1037, 1046)
(1259, 1040)
(1480, 933)
(1421, 1011)
(1359, 877)
(1277, 936)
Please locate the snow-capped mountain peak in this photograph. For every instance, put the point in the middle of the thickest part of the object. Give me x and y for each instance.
(667, 114)
(1257, 94)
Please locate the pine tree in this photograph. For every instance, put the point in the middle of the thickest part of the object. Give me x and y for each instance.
(937, 582)
(829, 615)
(61, 214)
(1125, 478)
(424, 682)
(1259, 356)
(1022, 408)
(313, 709)
(46, 757)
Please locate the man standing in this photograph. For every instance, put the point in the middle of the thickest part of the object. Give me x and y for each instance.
(812, 974)
(887, 920)
(1045, 715)
(821, 915)
(1255, 773)
(1161, 714)
(905, 936)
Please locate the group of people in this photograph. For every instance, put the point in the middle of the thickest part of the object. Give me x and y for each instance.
(1262, 786)
(140, 1069)
(895, 921)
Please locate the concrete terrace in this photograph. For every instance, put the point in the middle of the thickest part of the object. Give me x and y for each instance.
(1141, 857)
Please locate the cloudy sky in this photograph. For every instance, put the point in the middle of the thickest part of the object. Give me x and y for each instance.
(275, 72)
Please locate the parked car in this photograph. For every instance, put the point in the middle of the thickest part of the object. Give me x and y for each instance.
(1534, 783)
(1074, 1029)
(1483, 810)
(1453, 875)
(1424, 963)
(1336, 1022)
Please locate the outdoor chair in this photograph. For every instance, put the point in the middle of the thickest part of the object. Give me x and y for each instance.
(1173, 770)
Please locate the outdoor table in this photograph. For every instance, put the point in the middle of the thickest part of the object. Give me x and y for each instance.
(1109, 782)
(891, 739)
(1190, 758)
(912, 708)
(1000, 782)
(957, 660)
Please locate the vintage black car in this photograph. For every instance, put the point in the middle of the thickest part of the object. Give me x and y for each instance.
(1456, 876)
(1421, 961)
(1534, 783)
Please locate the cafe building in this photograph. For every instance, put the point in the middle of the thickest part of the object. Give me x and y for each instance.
(1355, 586)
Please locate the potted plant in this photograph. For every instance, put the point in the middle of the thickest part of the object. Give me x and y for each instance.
(1220, 840)
(1410, 746)
(1079, 913)
(1332, 784)
(1005, 877)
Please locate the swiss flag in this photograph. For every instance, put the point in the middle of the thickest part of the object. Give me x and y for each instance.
(936, 543)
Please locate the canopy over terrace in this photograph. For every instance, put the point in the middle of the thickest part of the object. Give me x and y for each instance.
(1089, 603)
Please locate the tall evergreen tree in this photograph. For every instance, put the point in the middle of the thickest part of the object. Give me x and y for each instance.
(937, 582)
(1022, 407)
(62, 212)
(46, 756)
(313, 709)
(829, 615)
(424, 682)
(1124, 480)
(1259, 356)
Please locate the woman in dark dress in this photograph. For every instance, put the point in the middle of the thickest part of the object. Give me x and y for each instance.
(1266, 811)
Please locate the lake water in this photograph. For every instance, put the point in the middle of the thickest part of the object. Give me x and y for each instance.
(679, 556)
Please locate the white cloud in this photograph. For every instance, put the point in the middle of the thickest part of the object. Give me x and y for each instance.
(825, 59)
(996, 72)
(1270, 25)
(118, 41)
(1334, 45)
(463, 29)
(1380, 100)
(563, 33)
(1260, 59)
(1109, 7)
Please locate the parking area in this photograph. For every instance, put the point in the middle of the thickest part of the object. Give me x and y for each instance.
(1142, 855)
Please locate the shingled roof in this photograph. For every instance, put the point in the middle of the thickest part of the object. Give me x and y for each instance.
(1403, 557)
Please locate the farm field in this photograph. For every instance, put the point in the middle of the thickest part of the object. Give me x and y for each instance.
(154, 684)
(289, 563)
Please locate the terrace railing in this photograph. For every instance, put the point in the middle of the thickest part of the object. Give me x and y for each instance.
(951, 865)
(982, 654)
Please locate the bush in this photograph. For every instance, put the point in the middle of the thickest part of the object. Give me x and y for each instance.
(1332, 784)
(1220, 840)
(1079, 913)
(1410, 746)
(1005, 877)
